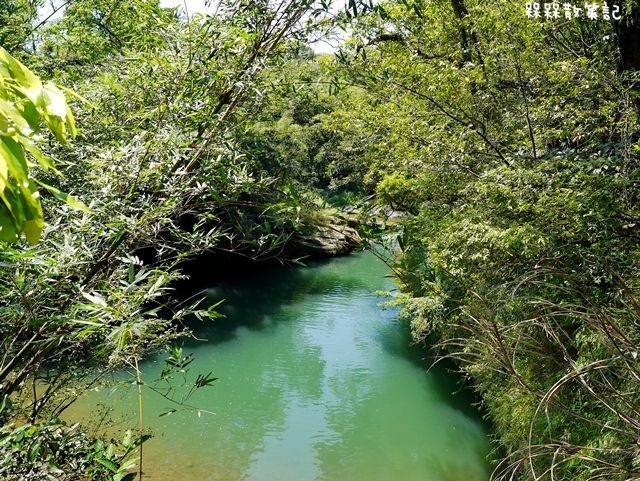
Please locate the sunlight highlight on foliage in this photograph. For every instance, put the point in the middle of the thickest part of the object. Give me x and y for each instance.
(25, 104)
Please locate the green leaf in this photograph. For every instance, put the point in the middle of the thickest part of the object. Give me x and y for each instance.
(34, 451)
(57, 114)
(205, 380)
(70, 200)
(27, 82)
(77, 95)
(142, 439)
(4, 174)
(14, 157)
(9, 111)
(127, 439)
(8, 231)
(24, 104)
(32, 230)
(20, 198)
(107, 463)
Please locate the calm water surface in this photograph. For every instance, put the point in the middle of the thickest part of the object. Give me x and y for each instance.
(316, 383)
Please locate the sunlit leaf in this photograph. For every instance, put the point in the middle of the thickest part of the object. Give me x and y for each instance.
(27, 82)
(70, 200)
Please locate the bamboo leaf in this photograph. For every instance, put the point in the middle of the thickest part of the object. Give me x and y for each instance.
(70, 200)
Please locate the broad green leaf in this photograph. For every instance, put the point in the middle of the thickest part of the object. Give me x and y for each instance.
(27, 82)
(8, 110)
(32, 116)
(4, 173)
(21, 199)
(25, 103)
(58, 115)
(13, 155)
(32, 230)
(8, 232)
(113, 467)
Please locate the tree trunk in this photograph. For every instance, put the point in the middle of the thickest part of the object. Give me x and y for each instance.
(467, 40)
(460, 11)
(628, 32)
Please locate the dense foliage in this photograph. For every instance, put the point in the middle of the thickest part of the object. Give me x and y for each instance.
(157, 159)
(510, 146)
(506, 147)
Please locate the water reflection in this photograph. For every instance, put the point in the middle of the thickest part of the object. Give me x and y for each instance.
(316, 383)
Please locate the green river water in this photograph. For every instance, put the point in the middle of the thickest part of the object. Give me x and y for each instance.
(316, 383)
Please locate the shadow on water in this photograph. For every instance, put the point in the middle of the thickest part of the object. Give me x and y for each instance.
(397, 341)
(256, 301)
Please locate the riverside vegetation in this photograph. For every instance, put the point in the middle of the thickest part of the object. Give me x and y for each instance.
(508, 144)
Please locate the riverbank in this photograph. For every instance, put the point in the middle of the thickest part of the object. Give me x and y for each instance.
(327, 234)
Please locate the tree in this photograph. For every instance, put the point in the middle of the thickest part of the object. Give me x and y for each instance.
(89, 31)
(16, 22)
(159, 192)
(158, 162)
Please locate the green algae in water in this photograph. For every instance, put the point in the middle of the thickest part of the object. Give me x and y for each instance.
(316, 382)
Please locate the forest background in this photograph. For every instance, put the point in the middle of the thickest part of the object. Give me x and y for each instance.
(505, 144)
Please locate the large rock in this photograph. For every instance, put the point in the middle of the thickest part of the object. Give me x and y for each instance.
(329, 239)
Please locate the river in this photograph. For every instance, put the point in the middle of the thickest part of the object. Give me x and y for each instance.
(317, 382)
